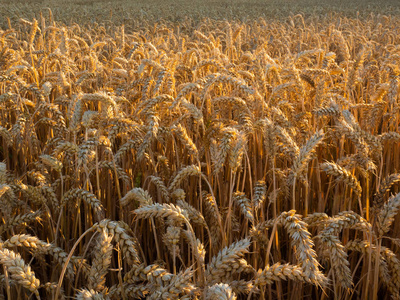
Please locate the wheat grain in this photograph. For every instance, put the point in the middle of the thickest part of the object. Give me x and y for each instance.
(19, 271)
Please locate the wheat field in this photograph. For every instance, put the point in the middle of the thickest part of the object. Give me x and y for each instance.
(199, 157)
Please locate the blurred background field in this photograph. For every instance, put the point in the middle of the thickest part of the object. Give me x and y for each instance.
(131, 13)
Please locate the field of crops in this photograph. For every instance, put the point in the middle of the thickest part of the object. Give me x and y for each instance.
(240, 156)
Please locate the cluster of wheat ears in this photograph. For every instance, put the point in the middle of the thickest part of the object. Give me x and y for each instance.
(209, 160)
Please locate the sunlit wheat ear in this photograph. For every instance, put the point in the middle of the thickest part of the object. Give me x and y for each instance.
(355, 136)
(197, 248)
(50, 287)
(280, 118)
(260, 194)
(194, 215)
(137, 194)
(279, 272)
(305, 154)
(22, 219)
(342, 175)
(159, 183)
(184, 138)
(223, 263)
(151, 134)
(394, 266)
(332, 110)
(373, 141)
(384, 187)
(61, 257)
(38, 177)
(245, 116)
(342, 48)
(257, 232)
(51, 162)
(121, 235)
(54, 110)
(387, 214)
(183, 174)
(303, 246)
(178, 195)
(85, 294)
(133, 291)
(27, 241)
(86, 196)
(194, 111)
(147, 106)
(288, 145)
(19, 271)
(228, 136)
(332, 246)
(30, 192)
(243, 286)
(101, 262)
(244, 205)
(63, 148)
(139, 273)
(121, 174)
(174, 213)
(38, 247)
(171, 239)
(236, 151)
(220, 291)
(389, 137)
(316, 219)
(305, 253)
(338, 259)
(213, 218)
(179, 285)
(186, 89)
(159, 276)
(384, 274)
(125, 148)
